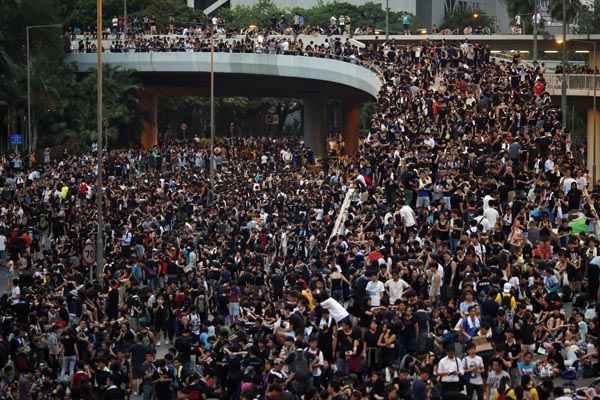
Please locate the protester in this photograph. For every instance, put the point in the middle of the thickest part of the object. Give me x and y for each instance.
(451, 273)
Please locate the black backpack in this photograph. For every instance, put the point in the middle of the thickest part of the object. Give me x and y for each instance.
(301, 367)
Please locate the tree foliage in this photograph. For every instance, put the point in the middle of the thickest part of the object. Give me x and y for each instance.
(63, 101)
(588, 21)
(462, 17)
(71, 112)
(573, 9)
(369, 14)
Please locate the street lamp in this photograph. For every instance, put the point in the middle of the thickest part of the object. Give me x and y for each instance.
(563, 94)
(125, 19)
(536, 17)
(100, 155)
(387, 20)
(212, 107)
(29, 133)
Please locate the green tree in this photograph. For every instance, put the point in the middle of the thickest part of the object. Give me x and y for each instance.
(71, 115)
(368, 14)
(588, 21)
(525, 9)
(574, 7)
(462, 17)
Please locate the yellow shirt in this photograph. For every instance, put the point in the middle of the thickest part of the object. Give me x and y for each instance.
(312, 303)
(513, 302)
(63, 192)
(533, 394)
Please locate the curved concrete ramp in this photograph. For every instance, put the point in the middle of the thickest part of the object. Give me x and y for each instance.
(288, 74)
(313, 79)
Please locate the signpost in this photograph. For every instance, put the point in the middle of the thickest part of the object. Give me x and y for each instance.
(89, 254)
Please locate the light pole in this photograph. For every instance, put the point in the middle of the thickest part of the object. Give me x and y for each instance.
(387, 20)
(125, 19)
(212, 109)
(563, 94)
(595, 112)
(29, 133)
(535, 30)
(99, 184)
(594, 109)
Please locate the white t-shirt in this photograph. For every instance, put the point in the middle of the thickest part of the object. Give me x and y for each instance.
(2, 242)
(374, 290)
(567, 182)
(491, 215)
(408, 216)
(396, 289)
(336, 310)
(15, 293)
(447, 365)
(470, 363)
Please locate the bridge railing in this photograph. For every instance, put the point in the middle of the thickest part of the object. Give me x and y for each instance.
(579, 82)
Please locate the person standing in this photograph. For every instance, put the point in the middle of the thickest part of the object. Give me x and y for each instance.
(473, 367)
(375, 289)
(495, 377)
(449, 370)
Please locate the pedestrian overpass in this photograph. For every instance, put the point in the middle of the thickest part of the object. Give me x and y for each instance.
(313, 79)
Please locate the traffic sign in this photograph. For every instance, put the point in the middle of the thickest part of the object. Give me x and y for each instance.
(15, 138)
(89, 254)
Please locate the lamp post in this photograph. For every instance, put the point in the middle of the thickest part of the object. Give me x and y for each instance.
(99, 184)
(387, 20)
(563, 94)
(535, 30)
(212, 109)
(595, 111)
(29, 132)
(125, 18)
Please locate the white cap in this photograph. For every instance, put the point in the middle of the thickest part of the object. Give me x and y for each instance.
(507, 287)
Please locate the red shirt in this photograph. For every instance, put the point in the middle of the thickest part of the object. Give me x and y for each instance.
(539, 88)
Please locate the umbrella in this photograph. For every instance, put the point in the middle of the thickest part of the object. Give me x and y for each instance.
(374, 256)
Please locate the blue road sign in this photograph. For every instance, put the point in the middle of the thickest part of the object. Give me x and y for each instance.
(15, 138)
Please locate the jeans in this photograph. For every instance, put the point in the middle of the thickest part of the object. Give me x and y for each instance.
(422, 201)
(147, 391)
(68, 364)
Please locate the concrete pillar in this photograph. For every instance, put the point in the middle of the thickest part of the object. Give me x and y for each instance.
(594, 59)
(593, 148)
(351, 128)
(149, 102)
(315, 125)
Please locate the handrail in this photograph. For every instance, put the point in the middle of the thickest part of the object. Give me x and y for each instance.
(269, 51)
(582, 82)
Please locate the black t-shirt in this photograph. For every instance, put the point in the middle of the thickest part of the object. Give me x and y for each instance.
(69, 343)
(138, 354)
(346, 342)
(183, 345)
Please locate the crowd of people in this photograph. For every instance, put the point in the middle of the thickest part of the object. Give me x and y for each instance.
(576, 69)
(455, 256)
(284, 25)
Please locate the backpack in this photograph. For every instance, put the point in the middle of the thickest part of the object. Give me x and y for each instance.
(506, 301)
(301, 367)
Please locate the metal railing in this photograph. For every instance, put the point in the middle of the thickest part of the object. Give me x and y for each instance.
(580, 82)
